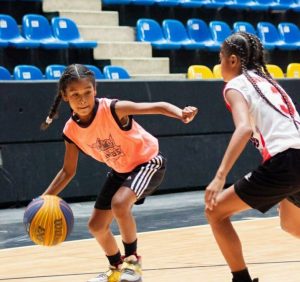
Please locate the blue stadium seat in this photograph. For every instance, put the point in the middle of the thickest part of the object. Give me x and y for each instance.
(175, 31)
(54, 72)
(98, 73)
(296, 7)
(142, 2)
(115, 72)
(10, 33)
(37, 28)
(115, 2)
(243, 4)
(199, 31)
(263, 5)
(167, 3)
(270, 37)
(290, 34)
(217, 4)
(220, 31)
(283, 5)
(148, 30)
(66, 30)
(193, 3)
(27, 72)
(4, 74)
(244, 27)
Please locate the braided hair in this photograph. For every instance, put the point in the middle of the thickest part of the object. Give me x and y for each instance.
(72, 73)
(251, 53)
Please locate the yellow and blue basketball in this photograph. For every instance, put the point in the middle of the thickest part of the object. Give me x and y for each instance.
(48, 220)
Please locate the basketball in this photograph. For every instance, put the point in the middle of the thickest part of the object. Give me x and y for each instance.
(48, 220)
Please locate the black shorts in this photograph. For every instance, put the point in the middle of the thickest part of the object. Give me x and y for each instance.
(143, 181)
(274, 180)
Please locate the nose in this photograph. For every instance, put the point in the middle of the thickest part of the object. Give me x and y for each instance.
(82, 100)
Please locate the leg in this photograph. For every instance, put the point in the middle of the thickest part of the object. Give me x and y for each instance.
(122, 203)
(99, 227)
(290, 217)
(219, 219)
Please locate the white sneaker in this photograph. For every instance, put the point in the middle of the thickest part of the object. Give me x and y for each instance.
(112, 275)
(131, 270)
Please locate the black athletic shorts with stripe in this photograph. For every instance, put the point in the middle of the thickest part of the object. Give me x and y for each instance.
(276, 179)
(143, 181)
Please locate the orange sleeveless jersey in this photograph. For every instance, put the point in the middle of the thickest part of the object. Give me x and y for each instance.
(105, 141)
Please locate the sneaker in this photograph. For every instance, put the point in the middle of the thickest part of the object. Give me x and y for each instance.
(112, 275)
(131, 270)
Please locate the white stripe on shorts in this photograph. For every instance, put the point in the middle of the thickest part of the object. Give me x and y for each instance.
(143, 178)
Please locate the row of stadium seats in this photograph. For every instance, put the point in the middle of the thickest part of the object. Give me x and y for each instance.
(37, 32)
(255, 5)
(53, 72)
(204, 72)
(198, 34)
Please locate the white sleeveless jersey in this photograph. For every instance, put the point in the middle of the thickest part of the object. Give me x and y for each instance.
(272, 132)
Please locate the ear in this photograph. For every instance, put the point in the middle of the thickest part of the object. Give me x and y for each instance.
(233, 60)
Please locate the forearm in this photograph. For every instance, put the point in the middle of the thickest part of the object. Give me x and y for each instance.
(235, 147)
(59, 183)
(169, 110)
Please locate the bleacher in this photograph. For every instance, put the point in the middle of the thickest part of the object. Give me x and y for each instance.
(146, 38)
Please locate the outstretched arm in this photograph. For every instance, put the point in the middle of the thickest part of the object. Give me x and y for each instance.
(126, 108)
(67, 172)
(239, 139)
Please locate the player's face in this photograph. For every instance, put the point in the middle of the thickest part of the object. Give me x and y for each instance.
(81, 97)
(230, 66)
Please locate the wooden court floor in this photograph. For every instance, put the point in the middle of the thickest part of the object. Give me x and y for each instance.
(180, 255)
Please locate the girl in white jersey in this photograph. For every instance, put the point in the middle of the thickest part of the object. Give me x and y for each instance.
(265, 114)
(105, 130)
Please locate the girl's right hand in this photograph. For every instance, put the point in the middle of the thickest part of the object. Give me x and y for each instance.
(188, 113)
(212, 191)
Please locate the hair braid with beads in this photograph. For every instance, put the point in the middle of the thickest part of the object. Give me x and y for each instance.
(252, 58)
(72, 73)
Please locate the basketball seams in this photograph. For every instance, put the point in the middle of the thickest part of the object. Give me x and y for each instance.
(48, 221)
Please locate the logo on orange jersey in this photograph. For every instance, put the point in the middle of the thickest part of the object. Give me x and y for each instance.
(108, 147)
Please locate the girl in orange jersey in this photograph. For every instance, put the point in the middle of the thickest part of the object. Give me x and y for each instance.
(264, 113)
(105, 130)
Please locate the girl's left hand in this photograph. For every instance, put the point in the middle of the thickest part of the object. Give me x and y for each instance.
(188, 113)
(212, 191)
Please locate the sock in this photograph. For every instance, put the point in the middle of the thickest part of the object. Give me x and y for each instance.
(130, 248)
(241, 276)
(115, 260)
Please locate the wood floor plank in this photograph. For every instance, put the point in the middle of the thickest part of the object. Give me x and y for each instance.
(181, 255)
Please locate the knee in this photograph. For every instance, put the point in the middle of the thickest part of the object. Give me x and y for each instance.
(290, 228)
(120, 208)
(97, 227)
(214, 216)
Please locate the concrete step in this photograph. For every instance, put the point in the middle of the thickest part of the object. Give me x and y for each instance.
(136, 66)
(160, 76)
(108, 50)
(82, 5)
(106, 18)
(107, 33)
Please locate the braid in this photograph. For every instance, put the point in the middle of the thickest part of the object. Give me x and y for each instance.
(252, 57)
(72, 73)
(270, 79)
(53, 112)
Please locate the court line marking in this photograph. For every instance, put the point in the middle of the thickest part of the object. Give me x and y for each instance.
(150, 269)
(147, 232)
